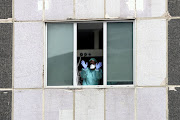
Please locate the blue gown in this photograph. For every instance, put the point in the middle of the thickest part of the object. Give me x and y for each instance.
(91, 77)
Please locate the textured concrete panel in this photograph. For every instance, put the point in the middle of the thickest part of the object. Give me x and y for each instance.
(5, 9)
(5, 105)
(150, 8)
(120, 104)
(174, 103)
(58, 9)
(120, 8)
(28, 9)
(28, 55)
(151, 103)
(151, 52)
(28, 104)
(174, 52)
(58, 104)
(89, 9)
(174, 7)
(89, 104)
(6, 33)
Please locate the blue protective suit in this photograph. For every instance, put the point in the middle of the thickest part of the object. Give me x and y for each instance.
(91, 77)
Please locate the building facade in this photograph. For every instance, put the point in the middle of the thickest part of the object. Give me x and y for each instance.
(154, 93)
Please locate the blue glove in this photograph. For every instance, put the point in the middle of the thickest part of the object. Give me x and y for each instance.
(98, 65)
(84, 64)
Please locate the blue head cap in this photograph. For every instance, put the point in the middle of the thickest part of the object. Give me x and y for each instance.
(93, 60)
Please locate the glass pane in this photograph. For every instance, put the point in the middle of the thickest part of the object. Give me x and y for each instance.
(120, 53)
(60, 54)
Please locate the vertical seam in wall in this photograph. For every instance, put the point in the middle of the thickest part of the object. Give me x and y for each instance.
(135, 92)
(43, 17)
(43, 105)
(13, 10)
(135, 29)
(136, 52)
(166, 6)
(167, 110)
(167, 18)
(13, 74)
(105, 104)
(12, 47)
(104, 8)
(74, 3)
(166, 52)
(135, 103)
(44, 33)
(74, 104)
(135, 13)
(43, 97)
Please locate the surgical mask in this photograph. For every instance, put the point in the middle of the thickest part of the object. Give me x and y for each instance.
(92, 66)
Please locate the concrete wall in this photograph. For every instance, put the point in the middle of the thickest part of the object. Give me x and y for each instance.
(156, 93)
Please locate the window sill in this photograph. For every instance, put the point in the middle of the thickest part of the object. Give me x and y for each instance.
(91, 86)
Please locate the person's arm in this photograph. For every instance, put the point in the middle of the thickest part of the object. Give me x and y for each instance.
(84, 73)
(98, 73)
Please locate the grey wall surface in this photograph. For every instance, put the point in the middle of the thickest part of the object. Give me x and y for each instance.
(174, 103)
(174, 7)
(5, 9)
(174, 60)
(6, 34)
(5, 105)
(6, 41)
(174, 52)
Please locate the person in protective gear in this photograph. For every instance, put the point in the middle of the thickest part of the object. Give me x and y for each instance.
(92, 75)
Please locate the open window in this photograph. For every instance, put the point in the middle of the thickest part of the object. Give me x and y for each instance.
(109, 43)
(89, 45)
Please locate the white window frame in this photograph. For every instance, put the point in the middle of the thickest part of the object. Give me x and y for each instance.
(104, 56)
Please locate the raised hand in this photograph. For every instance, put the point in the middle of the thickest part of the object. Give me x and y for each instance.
(98, 65)
(84, 64)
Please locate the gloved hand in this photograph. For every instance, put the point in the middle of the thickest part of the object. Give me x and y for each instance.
(84, 64)
(98, 65)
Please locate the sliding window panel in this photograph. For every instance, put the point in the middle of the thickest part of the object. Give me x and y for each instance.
(59, 54)
(119, 53)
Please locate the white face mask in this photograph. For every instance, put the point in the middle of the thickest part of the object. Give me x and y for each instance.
(92, 66)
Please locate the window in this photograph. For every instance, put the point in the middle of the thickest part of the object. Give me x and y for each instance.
(119, 53)
(95, 43)
(59, 54)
